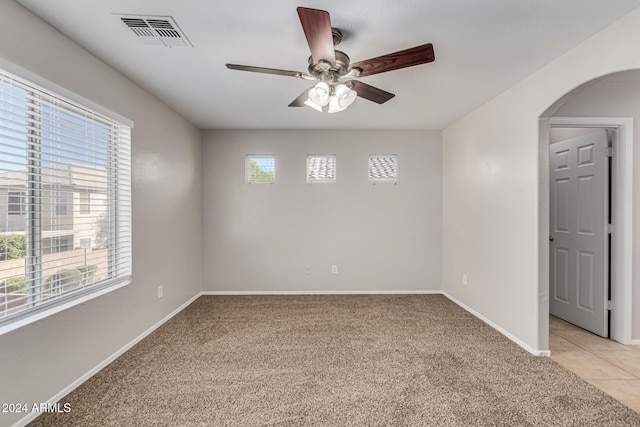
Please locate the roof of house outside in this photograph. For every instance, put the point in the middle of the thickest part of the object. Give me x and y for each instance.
(68, 175)
(382, 167)
(321, 167)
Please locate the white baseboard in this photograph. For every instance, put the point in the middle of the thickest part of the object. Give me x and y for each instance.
(62, 393)
(412, 292)
(499, 329)
(635, 342)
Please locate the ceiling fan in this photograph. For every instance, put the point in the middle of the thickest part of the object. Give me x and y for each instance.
(336, 88)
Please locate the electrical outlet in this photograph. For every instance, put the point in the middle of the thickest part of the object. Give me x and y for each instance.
(464, 279)
(334, 269)
(160, 291)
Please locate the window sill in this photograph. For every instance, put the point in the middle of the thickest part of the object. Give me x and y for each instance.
(25, 319)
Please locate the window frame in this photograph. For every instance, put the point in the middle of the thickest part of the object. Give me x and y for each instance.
(118, 179)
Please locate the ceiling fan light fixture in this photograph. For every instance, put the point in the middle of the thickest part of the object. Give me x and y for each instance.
(345, 94)
(310, 103)
(342, 98)
(334, 105)
(319, 94)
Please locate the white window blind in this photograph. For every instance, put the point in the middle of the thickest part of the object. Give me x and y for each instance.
(383, 168)
(321, 168)
(65, 202)
(260, 169)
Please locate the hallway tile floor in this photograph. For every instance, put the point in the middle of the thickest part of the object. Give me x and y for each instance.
(610, 366)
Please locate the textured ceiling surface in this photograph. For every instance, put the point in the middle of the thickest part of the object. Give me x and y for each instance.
(482, 47)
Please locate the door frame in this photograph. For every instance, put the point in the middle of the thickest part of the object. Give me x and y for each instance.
(621, 238)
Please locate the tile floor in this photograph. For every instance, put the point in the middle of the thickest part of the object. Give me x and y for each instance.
(612, 367)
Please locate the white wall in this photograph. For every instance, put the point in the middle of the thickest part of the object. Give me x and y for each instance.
(617, 95)
(382, 237)
(491, 221)
(41, 359)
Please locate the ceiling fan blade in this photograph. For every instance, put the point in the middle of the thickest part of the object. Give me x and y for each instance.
(317, 28)
(264, 70)
(371, 93)
(299, 101)
(394, 61)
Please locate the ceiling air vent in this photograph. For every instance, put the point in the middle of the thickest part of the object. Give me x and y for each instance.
(156, 30)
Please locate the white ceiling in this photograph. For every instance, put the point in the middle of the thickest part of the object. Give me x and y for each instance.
(482, 47)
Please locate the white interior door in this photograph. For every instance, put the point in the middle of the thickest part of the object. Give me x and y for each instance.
(578, 280)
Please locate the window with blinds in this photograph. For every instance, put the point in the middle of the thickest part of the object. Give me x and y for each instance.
(65, 203)
(383, 168)
(321, 168)
(260, 169)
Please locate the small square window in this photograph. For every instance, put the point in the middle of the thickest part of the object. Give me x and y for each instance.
(321, 168)
(260, 169)
(85, 242)
(61, 203)
(383, 168)
(84, 203)
(17, 203)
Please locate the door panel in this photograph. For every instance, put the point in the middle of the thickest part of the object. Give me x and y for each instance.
(561, 275)
(561, 203)
(586, 212)
(585, 280)
(578, 217)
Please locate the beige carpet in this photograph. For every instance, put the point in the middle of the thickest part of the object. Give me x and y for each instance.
(348, 360)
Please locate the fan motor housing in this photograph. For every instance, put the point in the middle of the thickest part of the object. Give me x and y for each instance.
(325, 71)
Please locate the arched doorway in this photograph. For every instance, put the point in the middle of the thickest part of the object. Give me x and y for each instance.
(605, 102)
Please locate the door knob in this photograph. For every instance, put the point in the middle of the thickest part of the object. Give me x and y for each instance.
(551, 238)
